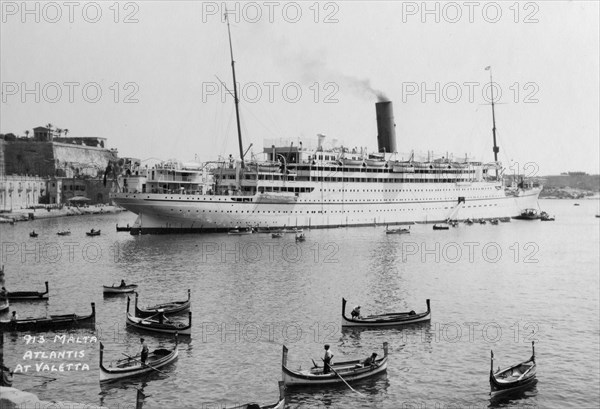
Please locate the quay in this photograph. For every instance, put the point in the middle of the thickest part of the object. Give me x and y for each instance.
(15, 398)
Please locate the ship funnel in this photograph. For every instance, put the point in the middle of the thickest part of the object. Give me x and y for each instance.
(320, 141)
(386, 128)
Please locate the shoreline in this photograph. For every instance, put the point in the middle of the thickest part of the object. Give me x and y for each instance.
(23, 215)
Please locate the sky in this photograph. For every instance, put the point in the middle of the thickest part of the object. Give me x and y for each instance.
(149, 75)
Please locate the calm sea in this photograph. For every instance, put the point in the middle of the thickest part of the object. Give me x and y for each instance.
(491, 288)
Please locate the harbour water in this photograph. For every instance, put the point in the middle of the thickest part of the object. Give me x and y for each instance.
(491, 287)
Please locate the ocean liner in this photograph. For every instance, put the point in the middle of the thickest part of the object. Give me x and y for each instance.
(322, 186)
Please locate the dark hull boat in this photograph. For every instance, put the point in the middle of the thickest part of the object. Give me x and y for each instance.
(167, 308)
(528, 214)
(33, 234)
(64, 233)
(154, 325)
(126, 228)
(28, 295)
(440, 227)
(4, 305)
(52, 322)
(132, 366)
(341, 371)
(515, 376)
(93, 233)
(385, 320)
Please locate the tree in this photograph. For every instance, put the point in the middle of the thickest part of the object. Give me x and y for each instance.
(27, 134)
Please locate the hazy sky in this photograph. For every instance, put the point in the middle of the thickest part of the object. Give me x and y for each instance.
(144, 75)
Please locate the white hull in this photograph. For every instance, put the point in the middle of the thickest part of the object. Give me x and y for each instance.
(291, 379)
(327, 206)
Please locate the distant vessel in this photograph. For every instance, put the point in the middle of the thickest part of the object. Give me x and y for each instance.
(303, 186)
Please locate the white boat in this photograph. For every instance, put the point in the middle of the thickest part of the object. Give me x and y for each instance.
(317, 187)
(119, 289)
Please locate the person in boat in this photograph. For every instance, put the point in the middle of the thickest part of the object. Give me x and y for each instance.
(123, 283)
(14, 317)
(144, 356)
(91, 231)
(355, 312)
(327, 359)
(370, 360)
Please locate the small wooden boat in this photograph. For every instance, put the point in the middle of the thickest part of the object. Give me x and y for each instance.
(468, 222)
(575, 204)
(348, 370)
(482, 221)
(375, 163)
(93, 232)
(528, 214)
(154, 323)
(276, 235)
(545, 217)
(4, 305)
(118, 289)
(514, 376)
(52, 322)
(173, 307)
(292, 230)
(64, 233)
(33, 234)
(239, 232)
(6, 378)
(132, 366)
(300, 237)
(28, 295)
(278, 405)
(399, 230)
(386, 320)
(126, 228)
(440, 227)
(494, 221)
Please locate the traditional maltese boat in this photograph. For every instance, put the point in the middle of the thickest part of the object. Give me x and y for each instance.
(159, 323)
(343, 371)
(28, 295)
(52, 322)
(385, 320)
(172, 307)
(132, 365)
(514, 376)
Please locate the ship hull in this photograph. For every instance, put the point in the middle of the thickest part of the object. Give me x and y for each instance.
(325, 208)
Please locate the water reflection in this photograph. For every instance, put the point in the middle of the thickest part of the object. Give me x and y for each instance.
(340, 396)
(504, 398)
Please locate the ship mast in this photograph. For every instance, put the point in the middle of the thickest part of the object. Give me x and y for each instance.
(235, 95)
(496, 147)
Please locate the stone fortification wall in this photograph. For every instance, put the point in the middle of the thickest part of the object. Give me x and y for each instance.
(48, 159)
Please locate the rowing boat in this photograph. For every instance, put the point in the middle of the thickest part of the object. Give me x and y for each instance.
(348, 370)
(514, 376)
(385, 320)
(132, 366)
(65, 321)
(93, 232)
(155, 325)
(28, 295)
(166, 308)
(129, 288)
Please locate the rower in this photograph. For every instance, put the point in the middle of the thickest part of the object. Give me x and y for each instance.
(355, 312)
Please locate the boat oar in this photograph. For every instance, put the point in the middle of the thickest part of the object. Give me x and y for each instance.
(343, 380)
(151, 367)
